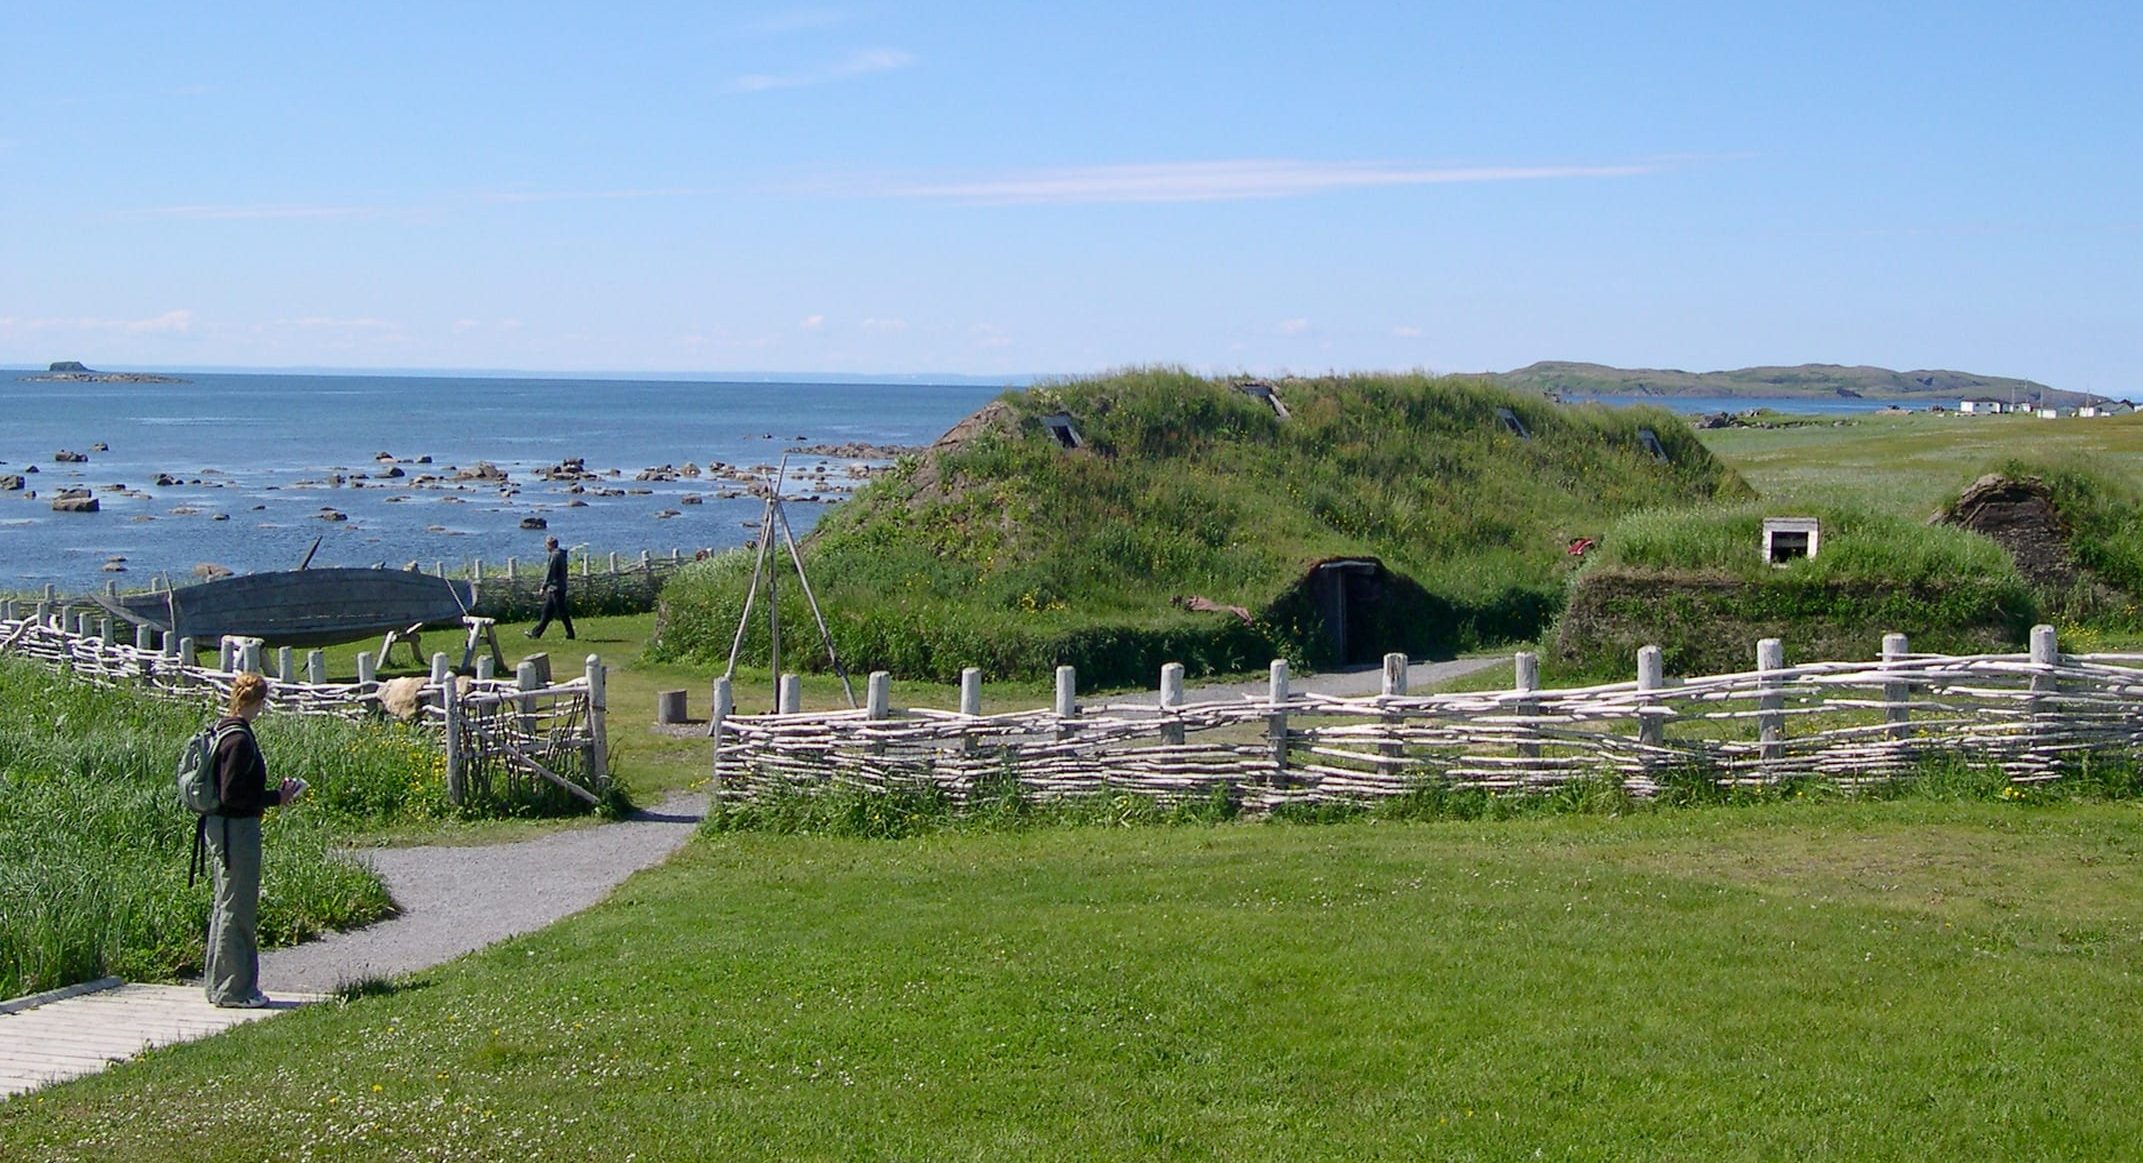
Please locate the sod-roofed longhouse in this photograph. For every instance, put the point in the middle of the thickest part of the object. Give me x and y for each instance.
(1121, 522)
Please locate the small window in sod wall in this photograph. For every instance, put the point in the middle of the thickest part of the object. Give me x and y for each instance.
(1789, 539)
(1512, 424)
(1060, 426)
(1650, 441)
(1262, 391)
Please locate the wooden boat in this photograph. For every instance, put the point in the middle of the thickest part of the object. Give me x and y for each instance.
(299, 607)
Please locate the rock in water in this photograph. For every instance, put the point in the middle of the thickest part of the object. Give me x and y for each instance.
(75, 505)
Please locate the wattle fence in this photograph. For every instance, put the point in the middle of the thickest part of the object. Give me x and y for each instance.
(2033, 715)
(499, 735)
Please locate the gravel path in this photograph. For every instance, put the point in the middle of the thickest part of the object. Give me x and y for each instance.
(455, 900)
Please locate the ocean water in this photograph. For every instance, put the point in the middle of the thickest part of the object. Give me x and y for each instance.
(263, 447)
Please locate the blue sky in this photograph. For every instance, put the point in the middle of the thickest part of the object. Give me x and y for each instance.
(1047, 188)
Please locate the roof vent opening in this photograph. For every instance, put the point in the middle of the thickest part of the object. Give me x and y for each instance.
(1789, 539)
(1259, 390)
(1512, 424)
(1060, 427)
(1650, 441)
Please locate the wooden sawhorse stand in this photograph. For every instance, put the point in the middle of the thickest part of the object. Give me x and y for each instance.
(416, 645)
(481, 631)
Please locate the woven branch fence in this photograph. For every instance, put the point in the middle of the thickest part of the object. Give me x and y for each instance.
(1846, 723)
(499, 735)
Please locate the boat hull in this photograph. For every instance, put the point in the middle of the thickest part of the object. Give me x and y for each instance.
(306, 607)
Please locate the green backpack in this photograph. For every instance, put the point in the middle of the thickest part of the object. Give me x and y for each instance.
(198, 793)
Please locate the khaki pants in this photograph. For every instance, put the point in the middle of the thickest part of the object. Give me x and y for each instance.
(231, 973)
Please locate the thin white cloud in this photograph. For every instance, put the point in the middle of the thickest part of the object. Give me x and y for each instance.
(885, 326)
(1220, 181)
(813, 323)
(1292, 327)
(1406, 332)
(515, 197)
(266, 212)
(856, 64)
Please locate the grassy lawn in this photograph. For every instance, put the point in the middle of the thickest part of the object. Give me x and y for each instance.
(1874, 980)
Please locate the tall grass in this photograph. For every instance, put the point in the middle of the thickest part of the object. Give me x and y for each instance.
(94, 846)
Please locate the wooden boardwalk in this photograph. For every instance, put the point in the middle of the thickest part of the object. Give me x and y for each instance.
(80, 1030)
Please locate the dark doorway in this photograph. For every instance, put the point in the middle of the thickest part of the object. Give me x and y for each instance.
(1346, 590)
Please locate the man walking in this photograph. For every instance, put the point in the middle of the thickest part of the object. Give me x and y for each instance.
(554, 591)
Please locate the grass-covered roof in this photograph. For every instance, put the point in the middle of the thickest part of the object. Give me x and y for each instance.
(1006, 549)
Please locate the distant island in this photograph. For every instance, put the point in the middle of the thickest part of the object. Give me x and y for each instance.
(71, 371)
(1808, 379)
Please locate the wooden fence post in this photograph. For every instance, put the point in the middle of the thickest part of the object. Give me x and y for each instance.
(286, 664)
(513, 567)
(1651, 676)
(719, 707)
(789, 696)
(970, 704)
(367, 672)
(2042, 711)
(598, 730)
(1172, 703)
(878, 706)
(442, 671)
(1525, 679)
(144, 638)
(526, 677)
(1896, 693)
(1394, 686)
(1770, 700)
(316, 667)
(1067, 706)
(450, 701)
(187, 653)
(1276, 698)
(249, 654)
(613, 561)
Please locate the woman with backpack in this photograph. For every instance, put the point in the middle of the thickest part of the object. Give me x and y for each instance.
(231, 972)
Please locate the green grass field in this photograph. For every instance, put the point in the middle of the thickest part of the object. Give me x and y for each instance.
(1912, 465)
(1914, 979)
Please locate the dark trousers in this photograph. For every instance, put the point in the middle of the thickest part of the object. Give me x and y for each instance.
(554, 606)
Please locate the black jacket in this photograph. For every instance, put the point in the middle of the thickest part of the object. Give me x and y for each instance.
(242, 772)
(554, 574)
